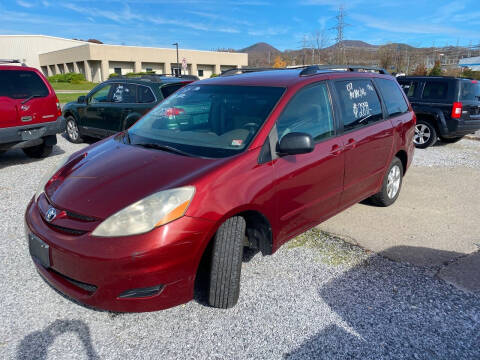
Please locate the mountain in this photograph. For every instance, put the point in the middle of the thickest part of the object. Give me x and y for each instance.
(260, 48)
(354, 44)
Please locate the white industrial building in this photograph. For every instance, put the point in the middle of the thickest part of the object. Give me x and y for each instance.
(471, 62)
(54, 55)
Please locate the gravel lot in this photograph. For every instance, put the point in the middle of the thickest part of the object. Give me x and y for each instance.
(317, 297)
(463, 153)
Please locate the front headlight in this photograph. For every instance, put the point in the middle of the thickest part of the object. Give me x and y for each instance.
(144, 215)
(48, 175)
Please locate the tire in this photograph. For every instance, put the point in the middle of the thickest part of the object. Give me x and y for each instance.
(71, 130)
(425, 134)
(38, 151)
(226, 265)
(451, 140)
(391, 185)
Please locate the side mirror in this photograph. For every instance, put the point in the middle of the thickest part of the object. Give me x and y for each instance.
(295, 143)
(82, 99)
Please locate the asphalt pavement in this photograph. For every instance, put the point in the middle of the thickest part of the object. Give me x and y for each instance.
(318, 297)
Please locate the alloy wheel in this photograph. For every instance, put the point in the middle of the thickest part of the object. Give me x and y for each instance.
(72, 130)
(393, 181)
(422, 134)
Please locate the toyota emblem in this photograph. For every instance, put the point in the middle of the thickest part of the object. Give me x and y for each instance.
(50, 214)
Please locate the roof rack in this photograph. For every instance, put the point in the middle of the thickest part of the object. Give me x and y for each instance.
(314, 69)
(12, 61)
(155, 77)
(236, 71)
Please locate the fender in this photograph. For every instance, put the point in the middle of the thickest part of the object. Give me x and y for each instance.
(438, 115)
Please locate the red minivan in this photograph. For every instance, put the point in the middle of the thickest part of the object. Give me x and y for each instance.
(30, 114)
(247, 160)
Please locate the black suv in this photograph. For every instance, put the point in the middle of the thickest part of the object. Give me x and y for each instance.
(118, 103)
(446, 107)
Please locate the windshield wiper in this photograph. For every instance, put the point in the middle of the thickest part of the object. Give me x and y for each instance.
(164, 148)
(30, 98)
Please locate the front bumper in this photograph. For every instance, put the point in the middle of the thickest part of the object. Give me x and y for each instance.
(97, 271)
(13, 135)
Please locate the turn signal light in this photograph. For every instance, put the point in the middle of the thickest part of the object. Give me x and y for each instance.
(457, 110)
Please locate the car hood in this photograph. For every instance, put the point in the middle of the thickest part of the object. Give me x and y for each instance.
(108, 176)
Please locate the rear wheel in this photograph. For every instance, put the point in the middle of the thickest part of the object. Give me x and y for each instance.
(392, 183)
(38, 151)
(227, 263)
(73, 134)
(451, 140)
(425, 134)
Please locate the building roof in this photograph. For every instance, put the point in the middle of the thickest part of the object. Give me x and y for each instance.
(470, 61)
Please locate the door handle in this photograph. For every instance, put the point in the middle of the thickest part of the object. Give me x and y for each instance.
(336, 150)
(351, 143)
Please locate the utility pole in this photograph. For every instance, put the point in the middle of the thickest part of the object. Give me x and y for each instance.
(340, 17)
(178, 64)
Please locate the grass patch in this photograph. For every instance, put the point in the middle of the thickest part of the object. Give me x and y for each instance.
(67, 86)
(330, 249)
(65, 98)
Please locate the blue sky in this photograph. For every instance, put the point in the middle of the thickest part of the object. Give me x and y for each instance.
(216, 24)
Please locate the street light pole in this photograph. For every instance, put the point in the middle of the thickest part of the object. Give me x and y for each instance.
(178, 64)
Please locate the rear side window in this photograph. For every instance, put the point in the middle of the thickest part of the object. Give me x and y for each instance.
(359, 103)
(124, 93)
(470, 90)
(435, 90)
(170, 89)
(308, 112)
(20, 84)
(409, 87)
(392, 95)
(145, 95)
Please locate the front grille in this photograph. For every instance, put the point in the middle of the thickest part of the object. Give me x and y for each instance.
(87, 287)
(79, 217)
(67, 230)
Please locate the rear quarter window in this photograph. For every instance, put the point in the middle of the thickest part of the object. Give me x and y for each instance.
(21, 84)
(168, 90)
(392, 96)
(435, 90)
(469, 90)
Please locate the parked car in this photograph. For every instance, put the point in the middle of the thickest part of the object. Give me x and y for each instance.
(117, 104)
(245, 160)
(29, 111)
(446, 107)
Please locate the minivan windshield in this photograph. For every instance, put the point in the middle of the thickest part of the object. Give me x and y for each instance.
(206, 120)
(21, 84)
(470, 90)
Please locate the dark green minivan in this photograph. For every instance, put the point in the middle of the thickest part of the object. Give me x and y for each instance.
(116, 104)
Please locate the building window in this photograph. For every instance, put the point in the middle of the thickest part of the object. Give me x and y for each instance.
(176, 71)
(200, 73)
(117, 71)
(149, 69)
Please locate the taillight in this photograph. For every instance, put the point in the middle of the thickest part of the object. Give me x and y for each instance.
(457, 110)
(59, 109)
(174, 111)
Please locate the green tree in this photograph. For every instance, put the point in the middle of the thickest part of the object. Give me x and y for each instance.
(436, 70)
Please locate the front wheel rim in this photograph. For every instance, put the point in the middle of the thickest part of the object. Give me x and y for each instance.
(72, 130)
(422, 134)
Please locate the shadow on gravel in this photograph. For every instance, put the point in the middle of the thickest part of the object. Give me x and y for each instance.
(35, 345)
(395, 311)
(18, 157)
